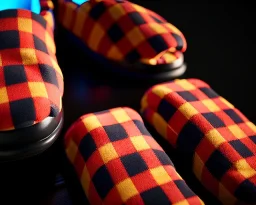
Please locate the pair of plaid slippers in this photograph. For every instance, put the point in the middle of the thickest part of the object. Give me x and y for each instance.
(115, 157)
(119, 162)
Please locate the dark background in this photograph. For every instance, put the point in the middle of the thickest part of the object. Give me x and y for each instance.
(221, 41)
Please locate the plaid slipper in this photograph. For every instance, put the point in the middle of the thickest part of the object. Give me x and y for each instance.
(31, 82)
(126, 36)
(118, 161)
(218, 140)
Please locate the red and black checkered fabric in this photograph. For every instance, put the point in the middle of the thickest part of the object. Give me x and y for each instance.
(118, 161)
(122, 31)
(31, 82)
(210, 132)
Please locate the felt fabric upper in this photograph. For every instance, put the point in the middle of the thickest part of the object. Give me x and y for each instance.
(211, 133)
(123, 31)
(31, 82)
(119, 162)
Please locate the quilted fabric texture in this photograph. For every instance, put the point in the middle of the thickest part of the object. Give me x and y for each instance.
(123, 31)
(31, 82)
(218, 139)
(119, 162)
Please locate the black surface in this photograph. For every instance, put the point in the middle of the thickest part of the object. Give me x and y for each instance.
(220, 51)
(29, 181)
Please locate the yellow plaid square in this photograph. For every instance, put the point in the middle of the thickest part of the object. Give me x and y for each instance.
(188, 110)
(108, 153)
(160, 175)
(115, 53)
(236, 131)
(211, 105)
(97, 34)
(158, 28)
(25, 24)
(160, 125)
(215, 138)
(144, 103)
(28, 56)
(85, 180)
(185, 84)
(198, 166)
(226, 102)
(37, 89)
(71, 151)
(139, 8)
(127, 189)
(91, 123)
(245, 169)
(140, 143)
(120, 115)
(3, 95)
(161, 90)
(49, 42)
(117, 11)
(184, 202)
(79, 22)
(135, 36)
(252, 126)
(49, 18)
(173, 28)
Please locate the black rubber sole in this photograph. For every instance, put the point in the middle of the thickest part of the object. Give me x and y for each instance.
(27, 142)
(168, 75)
